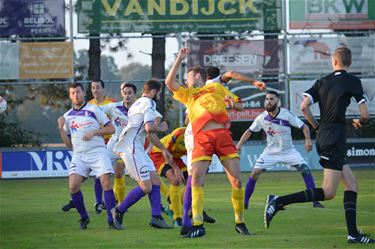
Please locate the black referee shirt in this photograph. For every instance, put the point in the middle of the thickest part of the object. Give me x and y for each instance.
(334, 93)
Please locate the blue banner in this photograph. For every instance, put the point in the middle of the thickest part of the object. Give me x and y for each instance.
(30, 164)
(32, 17)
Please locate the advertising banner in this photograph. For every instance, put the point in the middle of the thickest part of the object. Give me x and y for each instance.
(252, 99)
(360, 153)
(33, 164)
(259, 56)
(46, 60)
(9, 61)
(164, 16)
(32, 17)
(332, 14)
(312, 55)
(299, 87)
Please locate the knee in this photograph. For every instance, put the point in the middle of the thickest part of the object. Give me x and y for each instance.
(74, 188)
(304, 169)
(352, 185)
(237, 183)
(106, 182)
(147, 188)
(255, 175)
(329, 193)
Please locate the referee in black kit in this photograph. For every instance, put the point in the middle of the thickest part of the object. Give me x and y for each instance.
(333, 93)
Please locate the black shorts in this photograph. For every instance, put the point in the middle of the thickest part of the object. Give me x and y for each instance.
(331, 146)
(167, 167)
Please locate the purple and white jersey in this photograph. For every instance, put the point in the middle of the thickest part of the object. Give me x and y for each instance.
(119, 118)
(78, 122)
(215, 80)
(134, 134)
(279, 138)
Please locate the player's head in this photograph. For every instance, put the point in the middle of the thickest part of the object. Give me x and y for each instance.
(212, 73)
(152, 89)
(272, 100)
(97, 88)
(342, 57)
(77, 94)
(128, 92)
(196, 76)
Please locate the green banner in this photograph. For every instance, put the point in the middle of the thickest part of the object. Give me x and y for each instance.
(332, 14)
(170, 16)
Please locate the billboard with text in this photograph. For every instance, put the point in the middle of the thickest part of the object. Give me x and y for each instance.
(161, 16)
(332, 14)
(32, 17)
(245, 56)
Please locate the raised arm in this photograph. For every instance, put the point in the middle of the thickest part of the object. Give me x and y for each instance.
(227, 76)
(170, 81)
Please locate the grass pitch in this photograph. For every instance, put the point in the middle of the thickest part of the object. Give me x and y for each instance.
(31, 217)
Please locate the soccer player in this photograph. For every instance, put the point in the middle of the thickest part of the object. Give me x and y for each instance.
(98, 91)
(118, 113)
(176, 173)
(333, 93)
(210, 123)
(80, 129)
(276, 123)
(141, 116)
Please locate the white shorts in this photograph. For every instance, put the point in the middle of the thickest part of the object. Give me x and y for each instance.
(189, 145)
(138, 164)
(98, 163)
(291, 157)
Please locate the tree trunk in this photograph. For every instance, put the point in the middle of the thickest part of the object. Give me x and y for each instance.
(158, 68)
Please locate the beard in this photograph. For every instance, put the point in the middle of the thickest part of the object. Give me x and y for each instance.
(271, 108)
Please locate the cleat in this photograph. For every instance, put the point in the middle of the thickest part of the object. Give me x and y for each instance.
(117, 219)
(317, 204)
(177, 222)
(242, 229)
(246, 206)
(83, 222)
(270, 210)
(99, 207)
(159, 222)
(195, 232)
(68, 206)
(360, 239)
(166, 210)
(207, 218)
(111, 226)
(184, 230)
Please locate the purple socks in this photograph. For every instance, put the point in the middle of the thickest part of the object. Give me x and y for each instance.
(77, 199)
(98, 189)
(109, 198)
(131, 198)
(250, 186)
(187, 203)
(154, 197)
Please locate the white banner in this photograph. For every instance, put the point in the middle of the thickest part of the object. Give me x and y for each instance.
(299, 87)
(9, 61)
(312, 55)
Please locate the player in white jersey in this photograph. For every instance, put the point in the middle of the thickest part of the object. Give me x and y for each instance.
(80, 129)
(131, 144)
(276, 123)
(118, 112)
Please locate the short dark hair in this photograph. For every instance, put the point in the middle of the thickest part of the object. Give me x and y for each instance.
(123, 85)
(273, 92)
(152, 85)
(75, 85)
(212, 73)
(101, 82)
(344, 55)
(198, 69)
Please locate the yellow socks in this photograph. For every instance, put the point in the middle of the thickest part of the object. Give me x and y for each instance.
(164, 188)
(176, 204)
(119, 188)
(238, 205)
(197, 205)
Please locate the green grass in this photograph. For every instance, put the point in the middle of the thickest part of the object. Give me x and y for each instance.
(31, 217)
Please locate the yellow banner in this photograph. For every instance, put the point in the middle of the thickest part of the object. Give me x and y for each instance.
(46, 60)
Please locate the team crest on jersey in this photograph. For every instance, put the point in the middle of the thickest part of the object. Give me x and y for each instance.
(74, 126)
